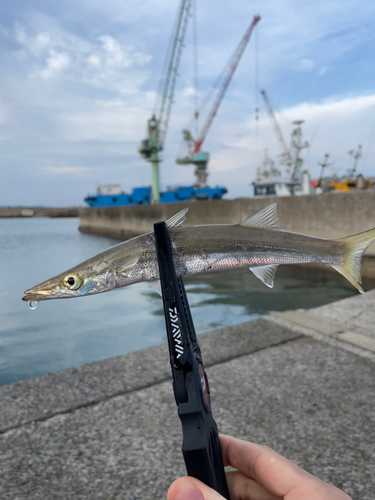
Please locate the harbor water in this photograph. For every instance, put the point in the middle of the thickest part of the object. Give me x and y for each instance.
(61, 334)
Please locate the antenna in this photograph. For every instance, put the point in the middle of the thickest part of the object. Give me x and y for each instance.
(356, 155)
(324, 164)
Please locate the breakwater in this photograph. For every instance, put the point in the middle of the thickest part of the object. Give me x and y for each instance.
(9, 212)
(331, 216)
(326, 216)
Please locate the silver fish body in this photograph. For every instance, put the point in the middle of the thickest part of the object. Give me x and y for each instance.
(257, 244)
(213, 248)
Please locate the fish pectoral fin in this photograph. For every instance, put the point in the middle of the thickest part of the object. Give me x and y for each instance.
(265, 274)
(267, 217)
(156, 285)
(177, 219)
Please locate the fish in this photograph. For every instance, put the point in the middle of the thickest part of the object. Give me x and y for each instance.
(257, 243)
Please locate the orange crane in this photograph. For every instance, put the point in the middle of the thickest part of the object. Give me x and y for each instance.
(195, 155)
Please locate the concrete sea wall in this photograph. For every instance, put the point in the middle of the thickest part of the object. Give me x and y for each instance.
(327, 216)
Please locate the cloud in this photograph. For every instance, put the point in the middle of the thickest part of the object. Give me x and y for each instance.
(342, 125)
(66, 171)
(75, 97)
(109, 124)
(189, 91)
(98, 62)
(307, 64)
(20, 34)
(120, 57)
(55, 63)
(345, 108)
(94, 61)
(3, 114)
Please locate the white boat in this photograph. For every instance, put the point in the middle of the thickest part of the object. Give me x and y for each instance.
(288, 178)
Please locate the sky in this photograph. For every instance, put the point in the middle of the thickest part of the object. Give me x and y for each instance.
(78, 81)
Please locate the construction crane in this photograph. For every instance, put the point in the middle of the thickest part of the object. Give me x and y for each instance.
(290, 157)
(157, 125)
(195, 156)
(286, 157)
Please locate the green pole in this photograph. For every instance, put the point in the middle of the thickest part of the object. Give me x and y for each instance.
(153, 134)
(155, 178)
(157, 127)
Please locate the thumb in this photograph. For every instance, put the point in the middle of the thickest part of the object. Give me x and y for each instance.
(189, 488)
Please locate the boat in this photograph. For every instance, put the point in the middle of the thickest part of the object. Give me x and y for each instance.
(111, 195)
(287, 178)
(350, 181)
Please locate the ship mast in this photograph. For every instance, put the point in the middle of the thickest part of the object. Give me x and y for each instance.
(296, 146)
(356, 155)
(324, 164)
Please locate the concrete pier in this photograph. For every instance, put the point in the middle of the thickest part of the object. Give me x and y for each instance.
(301, 382)
(331, 216)
(326, 216)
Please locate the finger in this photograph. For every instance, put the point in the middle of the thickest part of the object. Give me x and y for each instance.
(242, 487)
(272, 471)
(189, 488)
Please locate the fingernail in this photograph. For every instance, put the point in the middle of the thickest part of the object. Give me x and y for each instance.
(187, 491)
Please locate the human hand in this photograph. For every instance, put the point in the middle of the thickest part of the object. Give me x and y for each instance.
(262, 474)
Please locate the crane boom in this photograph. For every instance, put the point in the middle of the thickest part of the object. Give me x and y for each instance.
(157, 125)
(285, 151)
(170, 82)
(227, 79)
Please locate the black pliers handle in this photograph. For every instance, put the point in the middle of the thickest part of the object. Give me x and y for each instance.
(201, 446)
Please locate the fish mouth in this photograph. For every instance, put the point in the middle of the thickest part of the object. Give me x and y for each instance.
(43, 291)
(36, 296)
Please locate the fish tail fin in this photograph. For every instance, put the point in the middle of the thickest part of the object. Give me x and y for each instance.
(352, 262)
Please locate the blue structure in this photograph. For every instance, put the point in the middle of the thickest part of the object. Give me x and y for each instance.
(142, 196)
(138, 196)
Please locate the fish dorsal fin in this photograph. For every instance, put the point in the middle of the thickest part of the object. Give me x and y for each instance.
(267, 217)
(265, 274)
(177, 219)
(156, 285)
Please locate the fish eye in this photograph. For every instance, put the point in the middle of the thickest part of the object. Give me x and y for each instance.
(72, 281)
